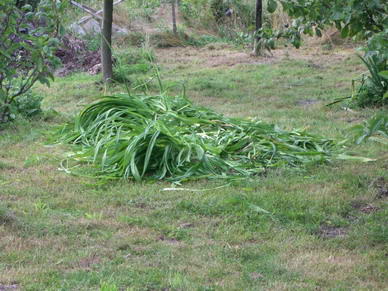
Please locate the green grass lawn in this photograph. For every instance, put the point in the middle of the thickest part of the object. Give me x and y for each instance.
(324, 227)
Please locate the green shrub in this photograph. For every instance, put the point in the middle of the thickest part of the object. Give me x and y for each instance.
(33, 3)
(27, 53)
(29, 104)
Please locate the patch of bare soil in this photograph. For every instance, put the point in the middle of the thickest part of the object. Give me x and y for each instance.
(369, 209)
(88, 262)
(256, 276)
(170, 241)
(186, 225)
(364, 207)
(4, 287)
(307, 102)
(326, 231)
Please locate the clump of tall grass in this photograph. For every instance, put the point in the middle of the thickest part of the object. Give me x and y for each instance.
(130, 62)
(166, 137)
(372, 90)
(374, 87)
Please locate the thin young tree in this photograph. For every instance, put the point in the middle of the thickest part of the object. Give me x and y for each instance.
(258, 26)
(173, 6)
(106, 41)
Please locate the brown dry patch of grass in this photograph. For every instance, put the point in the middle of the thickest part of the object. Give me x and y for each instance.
(325, 265)
(226, 56)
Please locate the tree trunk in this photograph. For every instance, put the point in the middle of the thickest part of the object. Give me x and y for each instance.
(106, 41)
(173, 5)
(259, 24)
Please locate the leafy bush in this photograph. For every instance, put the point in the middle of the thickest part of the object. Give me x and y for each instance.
(374, 88)
(20, 3)
(29, 104)
(164, 137)
(27, 50)
(357, 18)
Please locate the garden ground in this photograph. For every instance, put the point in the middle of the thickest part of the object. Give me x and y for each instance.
(324, 227)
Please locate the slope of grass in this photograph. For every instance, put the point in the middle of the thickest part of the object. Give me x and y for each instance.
(321, 228)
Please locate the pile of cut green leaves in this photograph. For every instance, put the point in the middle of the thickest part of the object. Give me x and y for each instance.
(165, 137)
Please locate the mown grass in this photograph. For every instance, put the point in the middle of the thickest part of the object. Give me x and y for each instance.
(321, 228)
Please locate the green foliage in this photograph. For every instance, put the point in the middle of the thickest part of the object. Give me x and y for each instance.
(93, 41)
(378, 45)
(203, 40)
(218, 8)
(372, 129)
(20, 3)
(134, 56)
(211, 14)
(164, 137)
(360, 18)
(133, 61)
(267, 36)
(374, 87)
(27, 49)
(272, 5)
(108, 287)
(188, 10)
(28, 104)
